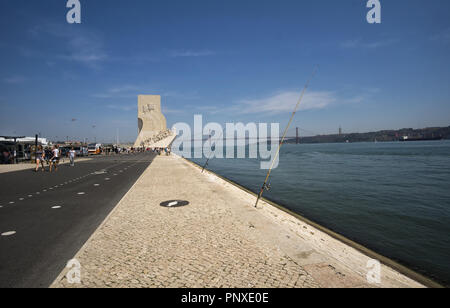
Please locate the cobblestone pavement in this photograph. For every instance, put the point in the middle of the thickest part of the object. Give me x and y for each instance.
(218, 240)
(200, 245)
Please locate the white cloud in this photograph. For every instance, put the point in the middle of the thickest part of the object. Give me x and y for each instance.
(83, 46)
(123, 107)
(86, 49)
(166, 110)
(190, 53)
(350, 44)
(286, 101)
(124, 91)
(189, 95)
(443, 36)
(358, 43)
(14, 79)
(125, 88)
(354, 100)
(86, 58)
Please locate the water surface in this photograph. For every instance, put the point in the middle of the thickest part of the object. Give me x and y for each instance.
(393, 198)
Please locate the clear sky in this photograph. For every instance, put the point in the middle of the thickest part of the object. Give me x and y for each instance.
(228, 60)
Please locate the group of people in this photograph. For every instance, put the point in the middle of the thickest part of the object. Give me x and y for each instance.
(52, 157)
(160, 151)
(8, 157)
(114, 150)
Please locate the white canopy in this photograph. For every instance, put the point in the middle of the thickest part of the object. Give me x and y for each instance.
(27, 139)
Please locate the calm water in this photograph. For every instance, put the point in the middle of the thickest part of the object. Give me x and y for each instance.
(391, 197)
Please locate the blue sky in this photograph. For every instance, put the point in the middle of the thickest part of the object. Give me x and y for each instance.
(228, 60)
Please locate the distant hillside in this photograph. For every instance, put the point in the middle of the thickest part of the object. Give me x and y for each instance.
(384, 135)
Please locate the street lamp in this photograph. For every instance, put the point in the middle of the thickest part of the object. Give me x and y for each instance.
(95, 137)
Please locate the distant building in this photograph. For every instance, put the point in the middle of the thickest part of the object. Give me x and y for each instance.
(42, 141)
(23, 147)
(340, 130)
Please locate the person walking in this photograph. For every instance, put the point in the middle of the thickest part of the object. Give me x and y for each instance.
(6, 156)
(55, 158)
(48, 155)
(72, 154)
(40, 158)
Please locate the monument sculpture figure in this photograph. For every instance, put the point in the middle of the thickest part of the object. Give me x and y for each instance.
(152, 127)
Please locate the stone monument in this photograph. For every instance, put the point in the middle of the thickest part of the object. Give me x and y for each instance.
(151, 121)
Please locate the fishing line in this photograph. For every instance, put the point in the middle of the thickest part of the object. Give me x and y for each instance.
(265, 186)
(210, 154)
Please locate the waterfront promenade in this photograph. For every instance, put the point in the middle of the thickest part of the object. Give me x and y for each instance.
(218, 240)
(32, 165)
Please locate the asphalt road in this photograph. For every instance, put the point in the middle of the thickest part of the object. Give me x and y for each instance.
(54, 214)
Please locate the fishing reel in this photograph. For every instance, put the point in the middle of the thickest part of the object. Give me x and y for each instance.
(267, 186)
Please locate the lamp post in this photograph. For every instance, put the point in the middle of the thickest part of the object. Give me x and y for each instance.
(35, 147)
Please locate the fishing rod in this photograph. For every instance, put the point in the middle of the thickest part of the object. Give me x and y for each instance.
(210, 154)
(207, 160)
(266, 186)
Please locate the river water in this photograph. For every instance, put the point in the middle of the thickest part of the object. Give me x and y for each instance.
(393, 198)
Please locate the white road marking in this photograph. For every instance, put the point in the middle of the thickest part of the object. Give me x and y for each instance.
(81, 193)
(107, 179)
(38, 193)
(12, 202)
(56, 207)
(96, 184)
(8, 233)
(44, 190)
(29, 196)
(21, 199)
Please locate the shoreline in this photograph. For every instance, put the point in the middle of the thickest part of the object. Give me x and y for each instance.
(402, 269)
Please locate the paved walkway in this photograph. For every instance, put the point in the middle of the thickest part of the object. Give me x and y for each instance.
(26, 166)
(218, 240)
